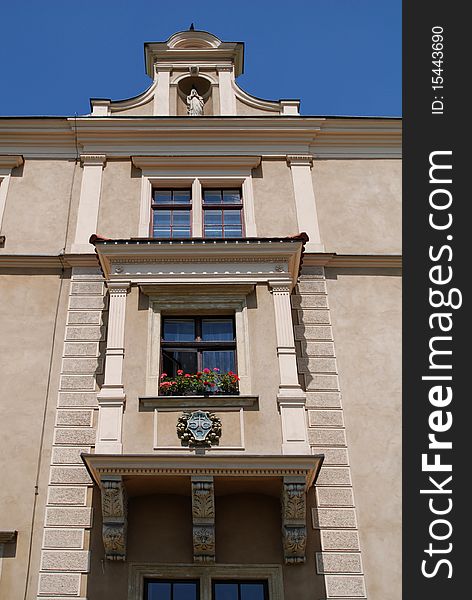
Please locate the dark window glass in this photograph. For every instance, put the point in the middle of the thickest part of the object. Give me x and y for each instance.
(171, 216)
(194, 344)
(222, 213)
(240, 590)
(171, 590)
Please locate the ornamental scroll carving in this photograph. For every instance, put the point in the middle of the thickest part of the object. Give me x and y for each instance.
(203, 517)
(294, 532)
(114, 509)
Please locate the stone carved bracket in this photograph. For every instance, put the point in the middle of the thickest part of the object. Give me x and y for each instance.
(294, 533)
(114, 516)
(203, 519)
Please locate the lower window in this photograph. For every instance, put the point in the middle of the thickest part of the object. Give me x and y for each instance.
(171, 590)
(239, 590)
(167, 589)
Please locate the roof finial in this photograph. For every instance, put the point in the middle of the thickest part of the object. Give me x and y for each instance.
(191, 28)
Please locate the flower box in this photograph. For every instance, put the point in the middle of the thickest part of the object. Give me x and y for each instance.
(208, 382)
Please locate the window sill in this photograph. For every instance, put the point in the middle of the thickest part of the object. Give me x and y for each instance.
(229, 401)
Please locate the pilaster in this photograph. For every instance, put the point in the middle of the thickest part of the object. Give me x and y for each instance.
(291, 397)
(227, 99)
(294, 534)
(7, 164)
(305, 201)
(111, 398)
(89, 202)
(114, 517)
(162, 94)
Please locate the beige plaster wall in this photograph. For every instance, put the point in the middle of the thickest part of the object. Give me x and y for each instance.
(262, 427)
(27, 316)
(37, 205)
(118, 214)
(145, 110)
(248, 531)
(243, 109)
(274, 202)
(359, 205)
(366, 317)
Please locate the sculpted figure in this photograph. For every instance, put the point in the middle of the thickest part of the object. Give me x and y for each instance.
(194, 104)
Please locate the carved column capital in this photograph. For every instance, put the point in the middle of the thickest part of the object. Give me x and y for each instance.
(114, 517)
(300, 159)
(93, 160)
(294, 532)
(118, 288)
(203, 519)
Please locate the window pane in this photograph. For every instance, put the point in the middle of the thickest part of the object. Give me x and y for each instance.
(252, 591)
(179, 330)
(162, 217)
(213, 217)
(163, 197)
(232, 217)
(161, 232)
(217, 330)
(158, 590)
(221, 359)
(212, 196)
(231, 232)
(181, 232)
(181, 217)
(174, 360)
(213, 232)
(226, 591)
(231, 197)
(185, 591)
(181, 196)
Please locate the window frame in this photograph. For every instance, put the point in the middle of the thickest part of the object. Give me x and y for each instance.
(239, 582)
(139, 572)
(155, 207)
(223, 207)
(148, 580)
(198, 345)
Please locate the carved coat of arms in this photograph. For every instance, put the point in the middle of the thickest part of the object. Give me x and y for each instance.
(199, 429)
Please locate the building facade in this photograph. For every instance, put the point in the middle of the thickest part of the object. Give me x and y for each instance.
(200, 342)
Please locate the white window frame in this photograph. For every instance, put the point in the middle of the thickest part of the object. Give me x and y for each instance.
(138, 572)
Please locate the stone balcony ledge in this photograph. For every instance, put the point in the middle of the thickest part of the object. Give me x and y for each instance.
(215, 402)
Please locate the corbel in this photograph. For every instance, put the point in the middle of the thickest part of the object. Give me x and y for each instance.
(203, 519)
(294, 533)
(114, 515)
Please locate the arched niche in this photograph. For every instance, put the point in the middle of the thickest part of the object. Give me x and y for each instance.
(204, 89)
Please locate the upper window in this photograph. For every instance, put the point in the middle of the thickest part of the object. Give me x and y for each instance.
(195, 344)
(222, 213)
(171, 214)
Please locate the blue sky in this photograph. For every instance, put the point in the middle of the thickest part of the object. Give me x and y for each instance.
(340, 57)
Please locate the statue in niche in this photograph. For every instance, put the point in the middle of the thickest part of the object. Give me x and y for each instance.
(194, 104)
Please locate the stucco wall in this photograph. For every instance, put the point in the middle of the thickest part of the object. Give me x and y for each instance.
(37, 205)
(118, 215)
(359, 205)
(366, 317)
(274, 202)
(27, 316)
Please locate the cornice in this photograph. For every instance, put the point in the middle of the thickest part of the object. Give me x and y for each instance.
(51, 261)
(361, 261)
(306, 466)
(195, 162)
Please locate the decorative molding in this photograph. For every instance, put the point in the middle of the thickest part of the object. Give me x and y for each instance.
(195, 162)
(150, 403)
(114, 509)
(294, 534)
(247, 465)
(8, 537)
(300, 159)
(93, 159)
(203, 519)
(199, 429)
(10, 161)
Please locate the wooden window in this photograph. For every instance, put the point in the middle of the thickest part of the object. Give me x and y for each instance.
(193, 344)
(222, 213)
(239, 590)
(168, 589)
(171, 214)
